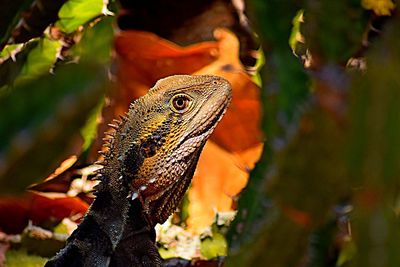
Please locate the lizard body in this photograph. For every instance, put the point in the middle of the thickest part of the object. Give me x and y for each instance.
(146, 171)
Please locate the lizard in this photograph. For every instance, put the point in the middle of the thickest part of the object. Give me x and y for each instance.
(147, 168)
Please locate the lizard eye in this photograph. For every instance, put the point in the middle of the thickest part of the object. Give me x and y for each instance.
(181, 103)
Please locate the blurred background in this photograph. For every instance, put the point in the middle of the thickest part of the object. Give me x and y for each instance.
(303, 170)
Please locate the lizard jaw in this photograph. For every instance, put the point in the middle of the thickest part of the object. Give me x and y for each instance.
(209, 125)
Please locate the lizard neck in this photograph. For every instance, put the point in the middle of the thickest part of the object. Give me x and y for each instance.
(113, 227)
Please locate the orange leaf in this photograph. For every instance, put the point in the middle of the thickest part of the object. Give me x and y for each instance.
(217, 180)
(240, 127)
(55, 206)
(59, 180)
(13, 214)
(222, 175)
(247, 159)
(40, 208)
(145, 58)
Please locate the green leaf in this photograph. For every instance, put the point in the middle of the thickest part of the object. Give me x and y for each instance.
(41, 119)
(18, 258)
(346, 253)
(258, 66)
(61, 228)
(35, 58)
(11, 67)
(75, 13)
(89, 131)
(166, 253)
(40, 59)
(293, 39)
(96, 42)
(214, 246)
(10, 50)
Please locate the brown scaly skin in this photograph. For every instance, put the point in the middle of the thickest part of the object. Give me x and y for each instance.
(149, 165)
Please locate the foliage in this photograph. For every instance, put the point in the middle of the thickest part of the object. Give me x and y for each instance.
(373, 155)
(334, 151)
(40, 103)
(381, 8)
(323, 193)
(21, 258)
(74, 13)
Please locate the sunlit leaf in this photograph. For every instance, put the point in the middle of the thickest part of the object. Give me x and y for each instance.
(21, 258)
(239, 129)
(214, 246)
(96, 42)
(296, 36)
(74, 13)
(89, 131)
(10, 50)
(40, 59)
(347, 253)
(380, 7)
(218, 179)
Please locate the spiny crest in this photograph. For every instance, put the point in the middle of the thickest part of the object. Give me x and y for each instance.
(139, 101)
(100, 186)
(108, 140)
(118, 123)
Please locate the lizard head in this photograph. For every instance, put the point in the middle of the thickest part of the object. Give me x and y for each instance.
(164, 134)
